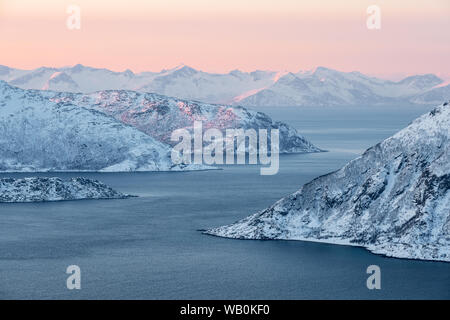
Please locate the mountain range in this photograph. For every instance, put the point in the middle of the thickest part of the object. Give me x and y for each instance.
(112, 130)
(318, 87)
(393, 200)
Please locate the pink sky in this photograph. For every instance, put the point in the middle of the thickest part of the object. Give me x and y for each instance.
(218, 36)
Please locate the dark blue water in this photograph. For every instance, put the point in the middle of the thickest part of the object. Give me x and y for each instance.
(149, 247)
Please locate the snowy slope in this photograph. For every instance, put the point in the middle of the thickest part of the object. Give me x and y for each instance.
(327, 87)
(183, 82)
(159, 116)
(54, 189)
(188, 83)
(433, 96)
(37, 134)
(393, 200)
(318, 87)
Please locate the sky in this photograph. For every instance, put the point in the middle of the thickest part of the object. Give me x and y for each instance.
(220, 36)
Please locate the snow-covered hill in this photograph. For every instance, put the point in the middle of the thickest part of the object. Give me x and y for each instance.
(393, 200)
(54, 189)
(158, 116)
(38, 134)
(320, 87)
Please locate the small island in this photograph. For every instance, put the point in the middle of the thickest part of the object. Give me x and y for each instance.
(40, 189)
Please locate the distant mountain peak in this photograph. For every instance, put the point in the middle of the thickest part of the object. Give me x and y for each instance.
(186, 69)
(176, 68)
(236, 72)
(180, 70)
(78, 67)
(129, 73)
(321, 86)
(422, 81)
(325, 71)
(287, 77)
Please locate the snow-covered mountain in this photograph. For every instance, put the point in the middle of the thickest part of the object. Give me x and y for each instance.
(393, 200)
(188, 83)
(327, 87)
(433, 96)
(38, 134)
(158, 116)
(54, 189)
(182, 81)
(319, 87)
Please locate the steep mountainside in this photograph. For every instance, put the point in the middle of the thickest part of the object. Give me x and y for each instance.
(37, 134)
(159, 115)
(393, 200)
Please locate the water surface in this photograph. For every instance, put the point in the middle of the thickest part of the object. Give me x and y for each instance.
(150, 247)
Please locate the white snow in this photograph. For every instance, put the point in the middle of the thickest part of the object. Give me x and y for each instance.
(393, 200)
(318, 87)
(37, 134)
(158, 116)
